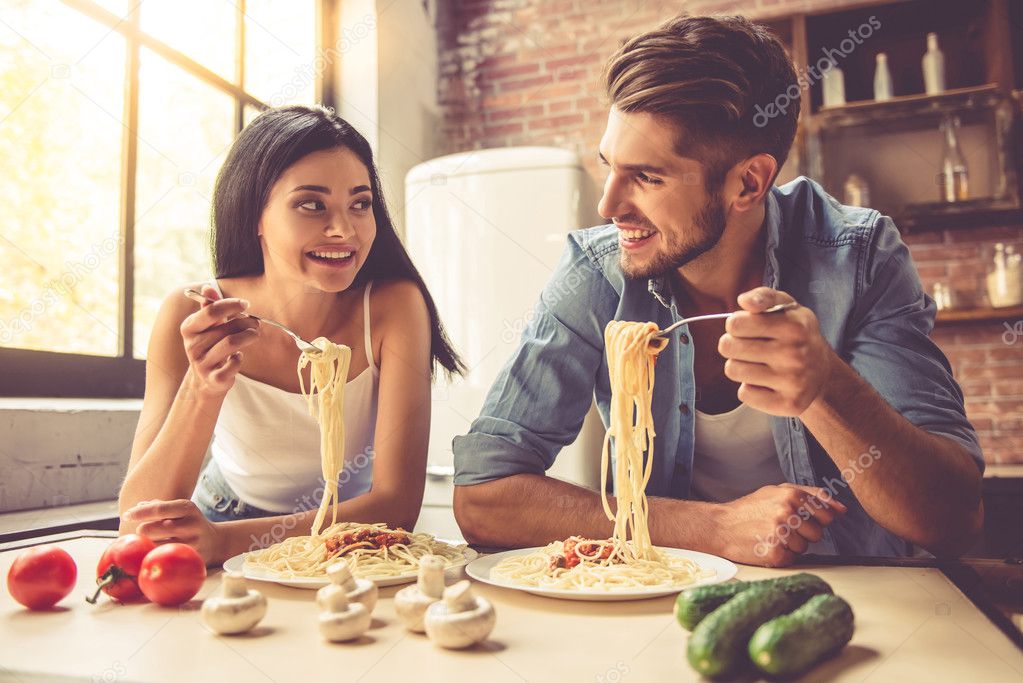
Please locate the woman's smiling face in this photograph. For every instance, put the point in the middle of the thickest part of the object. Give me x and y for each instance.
(318, 225)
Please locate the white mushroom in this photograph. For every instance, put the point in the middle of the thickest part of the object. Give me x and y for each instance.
(237, 610)
(356, 590)
(343, 620)
(460, 619)
(410, 603)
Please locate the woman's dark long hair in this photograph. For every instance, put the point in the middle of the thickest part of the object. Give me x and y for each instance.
(274, 141)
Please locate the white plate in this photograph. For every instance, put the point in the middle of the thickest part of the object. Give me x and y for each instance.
(723, 570)
(237, 563)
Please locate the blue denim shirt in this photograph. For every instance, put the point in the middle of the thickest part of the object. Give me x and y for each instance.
(847, 264)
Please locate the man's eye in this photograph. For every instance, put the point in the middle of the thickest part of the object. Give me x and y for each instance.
(311, 205)
(644, 178)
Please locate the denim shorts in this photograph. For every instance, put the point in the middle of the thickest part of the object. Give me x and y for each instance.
(219, 502)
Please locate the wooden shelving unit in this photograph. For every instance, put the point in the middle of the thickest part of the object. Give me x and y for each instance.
(890, 144)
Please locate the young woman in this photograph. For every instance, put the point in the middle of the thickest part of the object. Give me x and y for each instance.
(301, 235)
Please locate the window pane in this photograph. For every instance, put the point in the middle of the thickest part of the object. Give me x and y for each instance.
(248, 113)
(204, 30)
(280, 51)
(60, 74)
(185, 129)
(119, 7)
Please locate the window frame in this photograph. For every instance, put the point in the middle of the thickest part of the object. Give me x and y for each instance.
(35, 373)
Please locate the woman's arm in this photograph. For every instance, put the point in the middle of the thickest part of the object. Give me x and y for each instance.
(401, 332)
(188, 371)
(401, 340)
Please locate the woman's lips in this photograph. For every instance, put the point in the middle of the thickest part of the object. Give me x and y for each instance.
(333, 258)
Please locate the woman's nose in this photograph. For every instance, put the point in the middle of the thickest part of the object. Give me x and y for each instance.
(337, 226)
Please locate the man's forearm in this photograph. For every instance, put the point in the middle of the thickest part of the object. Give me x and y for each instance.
(920, 486)
(527, 510)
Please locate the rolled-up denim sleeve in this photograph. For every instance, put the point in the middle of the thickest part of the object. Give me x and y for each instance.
(888, 343)
(537, 404)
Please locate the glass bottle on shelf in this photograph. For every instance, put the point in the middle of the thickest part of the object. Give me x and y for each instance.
(1005, 278)
(856, 191)
(954, 177)
(942, 295)
(934, 66)
(834, 86)
(882, 79)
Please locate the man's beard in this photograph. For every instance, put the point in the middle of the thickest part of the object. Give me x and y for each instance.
(708, 224)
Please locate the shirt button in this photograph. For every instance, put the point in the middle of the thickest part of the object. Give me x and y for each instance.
(683, 338)
(684, 409)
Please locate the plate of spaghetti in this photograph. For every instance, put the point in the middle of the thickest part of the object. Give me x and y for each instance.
(585, 569)
(386, 556)
(627, 565)
(373, 551)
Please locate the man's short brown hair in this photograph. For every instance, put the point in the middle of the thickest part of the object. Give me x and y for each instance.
(717, 78)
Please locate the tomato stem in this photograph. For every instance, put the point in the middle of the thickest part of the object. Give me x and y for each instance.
(112, 575)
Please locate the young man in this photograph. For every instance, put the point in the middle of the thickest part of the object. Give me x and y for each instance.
(833, 427)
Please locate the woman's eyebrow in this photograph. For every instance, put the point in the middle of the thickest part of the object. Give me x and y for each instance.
(314, 188)
(326, 190)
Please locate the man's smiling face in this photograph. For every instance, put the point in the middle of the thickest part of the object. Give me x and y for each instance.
(657, 198)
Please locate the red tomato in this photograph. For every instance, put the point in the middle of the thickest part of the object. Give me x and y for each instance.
(172, 574)
(41, 577)
(118, 568)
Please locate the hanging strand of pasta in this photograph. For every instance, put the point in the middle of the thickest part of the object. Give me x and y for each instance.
(371, 550)
(325, 397)
(631, 353)
(617, 563)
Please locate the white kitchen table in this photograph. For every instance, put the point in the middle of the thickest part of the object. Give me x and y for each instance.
(912, 624)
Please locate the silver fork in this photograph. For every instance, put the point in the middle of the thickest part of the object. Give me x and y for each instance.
(302, 344)
(713, 316)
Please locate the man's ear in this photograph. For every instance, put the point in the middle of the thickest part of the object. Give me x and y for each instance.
(756, 175)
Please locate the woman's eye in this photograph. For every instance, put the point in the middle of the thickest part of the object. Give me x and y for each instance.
(362, 205)
(312, 205)
(644, 178)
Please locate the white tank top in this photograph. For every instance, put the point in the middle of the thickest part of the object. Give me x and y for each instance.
(267, 445)
(734, 454)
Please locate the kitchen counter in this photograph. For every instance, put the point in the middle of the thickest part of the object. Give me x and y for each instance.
(912, 623)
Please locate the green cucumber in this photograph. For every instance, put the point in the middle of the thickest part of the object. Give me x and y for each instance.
(718, 644)
(791, 644)
(693, 604)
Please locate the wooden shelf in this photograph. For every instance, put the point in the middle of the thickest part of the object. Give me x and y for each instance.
(958, 215)
(909, 107)
(953, 316)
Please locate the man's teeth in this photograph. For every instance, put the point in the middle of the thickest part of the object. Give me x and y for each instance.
(332, 254)
(636, 234)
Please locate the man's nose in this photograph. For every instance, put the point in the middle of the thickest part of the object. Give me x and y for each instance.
(614, 201)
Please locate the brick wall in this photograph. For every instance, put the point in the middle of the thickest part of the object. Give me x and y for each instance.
(525, 72)
(986, 358)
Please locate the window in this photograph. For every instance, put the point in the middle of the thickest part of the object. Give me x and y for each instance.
(115, 116)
